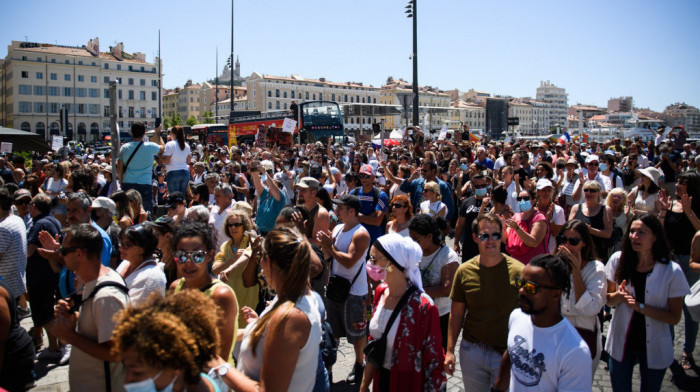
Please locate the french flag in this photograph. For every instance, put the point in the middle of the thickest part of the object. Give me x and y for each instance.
(565, 138)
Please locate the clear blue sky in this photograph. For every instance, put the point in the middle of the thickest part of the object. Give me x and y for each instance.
(596, 49)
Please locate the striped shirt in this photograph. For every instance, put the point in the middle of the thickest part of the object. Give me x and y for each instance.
(13, 248)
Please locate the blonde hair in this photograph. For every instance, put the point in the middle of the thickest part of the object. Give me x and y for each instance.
(596, 185)
(433, 186)
(245, 218)
(616, 191)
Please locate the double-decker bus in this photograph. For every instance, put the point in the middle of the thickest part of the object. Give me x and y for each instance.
(317, 120)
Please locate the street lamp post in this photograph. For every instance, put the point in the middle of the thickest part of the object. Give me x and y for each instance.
(411, 11)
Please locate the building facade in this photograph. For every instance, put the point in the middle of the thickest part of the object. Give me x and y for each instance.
(434, 105)
(38, 80)
(472, 115)
(556, 99)
(685, 115)
(622, 104)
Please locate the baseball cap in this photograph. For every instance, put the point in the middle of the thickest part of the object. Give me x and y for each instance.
(349, 200)
(544, 183)
(309, 183)
(175, 198)
(592, 158)
(267, 165)
(164, 223)
(366, 169)
(20, 193)
(104, 202)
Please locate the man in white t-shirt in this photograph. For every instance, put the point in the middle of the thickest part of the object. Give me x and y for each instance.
(223, 196)
(347, 245)
(545, 352)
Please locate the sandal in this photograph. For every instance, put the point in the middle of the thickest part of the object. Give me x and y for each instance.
(687, 361)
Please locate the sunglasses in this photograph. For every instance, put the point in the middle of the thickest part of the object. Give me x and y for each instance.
(531, 287)
(590, 190)
(197, 256)
(592, 163)
(22, 202)
(486, 236)
(482, 186)
(525, 198)
(234, 224)
(561, 240)
(67, 250)
(396, 205)
(364, 176)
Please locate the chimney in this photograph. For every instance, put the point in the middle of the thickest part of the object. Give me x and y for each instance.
(322, 80)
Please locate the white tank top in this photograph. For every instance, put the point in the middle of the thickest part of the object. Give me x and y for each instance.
(342, 242)
(304, 376)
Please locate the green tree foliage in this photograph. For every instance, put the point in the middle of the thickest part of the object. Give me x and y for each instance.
(208, 117)
(191, 120)
(175, 119)
(167, 122)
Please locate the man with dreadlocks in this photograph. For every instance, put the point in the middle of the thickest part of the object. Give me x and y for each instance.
(545, 352)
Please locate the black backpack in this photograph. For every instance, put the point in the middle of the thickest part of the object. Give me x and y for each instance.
(329, 346)
(375, 200)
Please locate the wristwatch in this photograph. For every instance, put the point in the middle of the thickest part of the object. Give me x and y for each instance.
(641, 308)
(223, 369)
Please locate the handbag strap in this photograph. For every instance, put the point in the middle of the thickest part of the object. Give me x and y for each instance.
(132, 156)
(398, 308)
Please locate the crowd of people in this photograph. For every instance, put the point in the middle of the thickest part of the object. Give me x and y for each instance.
(201, 267)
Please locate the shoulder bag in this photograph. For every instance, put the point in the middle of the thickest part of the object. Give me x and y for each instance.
(375, 350)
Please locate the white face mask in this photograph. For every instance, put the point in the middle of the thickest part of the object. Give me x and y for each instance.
(148, 385)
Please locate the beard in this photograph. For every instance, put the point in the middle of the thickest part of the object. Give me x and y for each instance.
(527, 307)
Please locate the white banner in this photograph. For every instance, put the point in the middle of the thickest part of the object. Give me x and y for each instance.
(57, 143)
(288, 125)
(6, 147)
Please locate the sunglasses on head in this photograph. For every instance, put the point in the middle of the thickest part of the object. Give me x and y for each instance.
(561, 240)
(531, 287)
(525, 198)
(197, 256)
(486, 236)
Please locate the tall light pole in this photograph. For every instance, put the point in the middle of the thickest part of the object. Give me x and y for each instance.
(233, 105)
(411, 11)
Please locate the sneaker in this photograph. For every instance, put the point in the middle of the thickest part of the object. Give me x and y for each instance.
(48, 355)
(687, 361)
(23, 313)
(65, 354)
(356, 375)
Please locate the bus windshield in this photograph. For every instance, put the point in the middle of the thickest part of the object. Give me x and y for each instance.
(320, 114)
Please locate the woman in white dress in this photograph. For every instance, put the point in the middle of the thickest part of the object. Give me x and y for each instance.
(432, 205)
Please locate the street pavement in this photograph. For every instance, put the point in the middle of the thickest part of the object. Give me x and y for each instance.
(51, 377)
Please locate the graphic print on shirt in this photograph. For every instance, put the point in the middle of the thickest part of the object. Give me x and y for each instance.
(528, 366)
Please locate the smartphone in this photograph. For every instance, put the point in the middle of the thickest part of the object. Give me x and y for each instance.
(158, 122)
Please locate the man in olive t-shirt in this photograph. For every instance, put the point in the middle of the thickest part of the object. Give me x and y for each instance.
(484, 289)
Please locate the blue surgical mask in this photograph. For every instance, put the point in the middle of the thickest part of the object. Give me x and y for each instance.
(263, 178)
(148, 385)
(603, 167)
(524, 205)
(463, 166)
(480, 192)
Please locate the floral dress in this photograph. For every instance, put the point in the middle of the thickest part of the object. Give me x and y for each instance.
(417, 360)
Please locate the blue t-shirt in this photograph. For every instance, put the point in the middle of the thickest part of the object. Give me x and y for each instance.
(368, 208)
(488, 162)
(269, 209)
(141, 167)
(65, 284)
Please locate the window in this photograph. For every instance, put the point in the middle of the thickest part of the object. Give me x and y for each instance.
(314, 96)
(40, 75)
(81, 92)
(277, 105)
(285, 106)
(142, 95)
(106, 93)
(131, 111)
(119, 94)
(66, 77)
(53, 107)
(93, 108)
(307, 95)
(39, 107)
(131, 68)
(93, 79)
(81, 78)
(143, 82)
(25, 89)
(40, 129)
(94, 93)
(269, 105)
(154, 83)
(106, 66)
(25, 127)
(131, 82)
(154, 96)
(292, 94)
(53, 76)
(25, 107)
(346, 97)
(53, 61)
(25, 74)
(142, 112)
(320, 96)
(131, 94)
(277, 93)
(80, 63)
(106, 111)
(269, 93)
(119, 67)
(120, 112)
(67, 92)
(39, 90)
(332, 97)
(81, 108)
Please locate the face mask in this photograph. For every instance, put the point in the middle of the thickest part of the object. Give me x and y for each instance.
(524, 205)
(263, 178)
(480, 192)
(148, 385)
(286, 167)
(490, 187)
(376, 272)
(463, 166)
(300, 170)
(603, 167)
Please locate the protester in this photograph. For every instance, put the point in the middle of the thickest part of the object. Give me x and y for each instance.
(527, 233)
(17, 355)
(177, 157)
(139, 269)
(401, 214)
(135, 162)
(597, 216)
(413, 359)
(647, 288)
